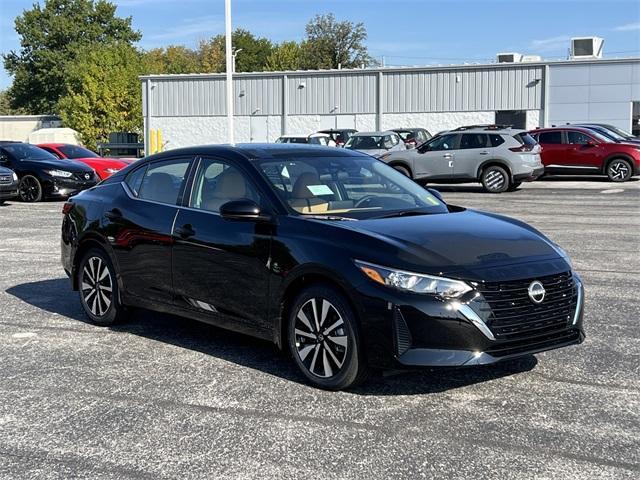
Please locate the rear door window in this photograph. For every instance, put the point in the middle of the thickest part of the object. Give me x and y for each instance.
(578, 138)
(163, 181)
(550, 138)
(474, 140)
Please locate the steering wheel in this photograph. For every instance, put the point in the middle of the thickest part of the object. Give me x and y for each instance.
(365, 202)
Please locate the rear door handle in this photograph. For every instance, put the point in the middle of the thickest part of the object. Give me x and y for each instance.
(447, 155)
(185, 231)
(113, 214)
(484, 153)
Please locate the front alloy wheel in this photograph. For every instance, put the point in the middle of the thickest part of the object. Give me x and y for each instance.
(323, 339)
(30, 189)
(495, 179)
(619, 170)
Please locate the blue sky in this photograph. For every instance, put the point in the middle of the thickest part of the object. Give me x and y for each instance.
(417, 32)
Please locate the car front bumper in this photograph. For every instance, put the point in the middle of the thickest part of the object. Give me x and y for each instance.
(55, 187)
(8, 191)
(404, 330)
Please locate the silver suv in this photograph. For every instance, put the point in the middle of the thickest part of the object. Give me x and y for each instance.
(499, 157)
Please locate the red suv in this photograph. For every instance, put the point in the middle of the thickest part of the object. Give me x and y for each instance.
(579, 151)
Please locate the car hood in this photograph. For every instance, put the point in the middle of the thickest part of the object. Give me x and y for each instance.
(5, 171)
(54, 163)
(468, 244)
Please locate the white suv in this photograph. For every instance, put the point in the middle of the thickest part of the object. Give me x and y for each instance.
(499, 157)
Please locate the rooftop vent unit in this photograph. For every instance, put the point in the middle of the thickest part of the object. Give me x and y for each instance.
(509, 57)
(586, 47)
(531, 58)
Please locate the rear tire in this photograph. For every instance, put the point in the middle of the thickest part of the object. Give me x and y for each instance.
(619, 170)
(403, 170)
(98, 288)
(324, 339)
(495, 179)
(30, 189)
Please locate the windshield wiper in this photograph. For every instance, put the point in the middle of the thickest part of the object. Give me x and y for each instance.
(330, 217)
(403, 213)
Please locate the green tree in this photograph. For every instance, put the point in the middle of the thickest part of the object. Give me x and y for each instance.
(173, 59)
(5, 105)
(103, 93)
(286, 56)
(330, 44)
(254, 54)
(50, 38)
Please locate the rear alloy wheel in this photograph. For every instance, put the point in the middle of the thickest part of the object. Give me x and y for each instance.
(619, 170)
(403, 170)
(99, 289)
(495, 179)
(30, 189)
(324, 341)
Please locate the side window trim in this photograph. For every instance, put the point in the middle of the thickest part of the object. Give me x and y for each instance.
(146, 167)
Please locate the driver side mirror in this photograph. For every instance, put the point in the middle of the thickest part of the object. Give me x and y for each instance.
(243, 209)
(4, 158)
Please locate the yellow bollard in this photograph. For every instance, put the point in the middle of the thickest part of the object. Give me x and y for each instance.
(160, 145)
(153, 142)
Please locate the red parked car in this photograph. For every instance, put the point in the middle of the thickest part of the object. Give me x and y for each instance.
(104, 167)
(579, 151)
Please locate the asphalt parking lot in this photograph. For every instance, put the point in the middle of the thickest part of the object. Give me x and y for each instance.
(160, 397)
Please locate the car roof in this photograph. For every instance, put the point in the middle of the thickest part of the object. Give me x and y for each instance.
(371, 134)
(408, 129)
(331, 130)
(499, 131)
(253, 151)
(562, 127)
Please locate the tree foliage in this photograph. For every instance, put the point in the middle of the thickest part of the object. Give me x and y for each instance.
(50, 38)
(173, 59)
(331, 44)
(286, 56)
(5, 105)
(254, 54)
(103, 93)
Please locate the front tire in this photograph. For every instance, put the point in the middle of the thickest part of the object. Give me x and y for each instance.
(98, 288)
(324, 339)
(495, 179)
(30, 189)
(619, 170)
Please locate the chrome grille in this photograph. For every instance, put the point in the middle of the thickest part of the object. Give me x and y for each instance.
(6, 180)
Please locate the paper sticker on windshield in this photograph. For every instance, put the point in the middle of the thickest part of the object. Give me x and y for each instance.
(320, 189)
(285, 172)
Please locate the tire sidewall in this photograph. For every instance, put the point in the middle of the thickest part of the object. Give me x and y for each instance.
(349, 372)
(111, 316)
(39, 198)
(503, 172)
(620, 160)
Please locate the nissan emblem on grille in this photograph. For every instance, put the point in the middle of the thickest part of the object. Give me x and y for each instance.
(536, 291)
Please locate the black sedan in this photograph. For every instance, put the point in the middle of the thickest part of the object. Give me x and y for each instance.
(42, 175)
(329, 253)
(8, 184)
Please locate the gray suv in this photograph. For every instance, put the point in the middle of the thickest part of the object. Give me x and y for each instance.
(499, 157)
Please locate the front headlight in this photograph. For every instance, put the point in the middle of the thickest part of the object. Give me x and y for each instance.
(414, 282)
(15, 177)
(59, 173)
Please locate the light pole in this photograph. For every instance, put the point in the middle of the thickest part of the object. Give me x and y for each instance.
(235, 54)
(229, 62)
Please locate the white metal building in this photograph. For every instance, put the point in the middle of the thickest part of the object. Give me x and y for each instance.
(190, 109)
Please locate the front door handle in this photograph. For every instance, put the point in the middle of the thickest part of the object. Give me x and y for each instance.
(484, 153)
(113, 214)
(185, 231)
(447, 155)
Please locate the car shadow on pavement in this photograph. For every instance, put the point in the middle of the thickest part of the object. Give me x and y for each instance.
(55, 296)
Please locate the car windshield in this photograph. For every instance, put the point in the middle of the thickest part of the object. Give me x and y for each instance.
(76, 151)
(24, 151)
(366, 142)
(345, 186)
(406, 134)
(601, 137)
(619, 131)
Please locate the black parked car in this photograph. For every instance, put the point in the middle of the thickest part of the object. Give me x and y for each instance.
(8, 184)
(329, 253)
(42, 175)
(610, 132)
